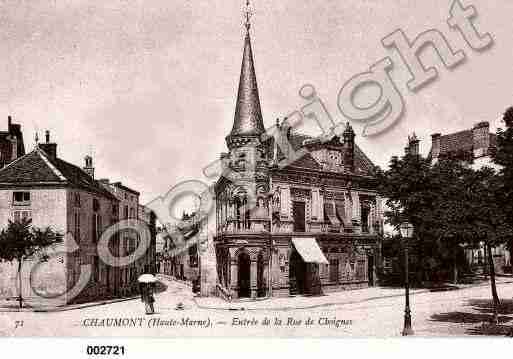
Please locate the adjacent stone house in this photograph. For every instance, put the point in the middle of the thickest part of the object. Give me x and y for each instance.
(55, 193)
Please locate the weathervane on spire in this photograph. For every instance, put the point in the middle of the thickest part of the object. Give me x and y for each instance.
(248, 13)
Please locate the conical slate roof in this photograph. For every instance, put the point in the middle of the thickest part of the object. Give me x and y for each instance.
(248, 116)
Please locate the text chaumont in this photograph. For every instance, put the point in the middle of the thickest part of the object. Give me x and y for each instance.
(114, 322)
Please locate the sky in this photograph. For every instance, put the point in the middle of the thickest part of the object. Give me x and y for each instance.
(149, 87)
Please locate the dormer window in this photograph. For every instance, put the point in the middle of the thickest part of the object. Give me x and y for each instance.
(21, 198)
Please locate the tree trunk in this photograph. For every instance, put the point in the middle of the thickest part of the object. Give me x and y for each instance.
(20, 298)
(495, 296)
(421, 268)
(455, 265)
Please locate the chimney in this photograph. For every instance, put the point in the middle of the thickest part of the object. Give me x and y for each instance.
(413, 145)
(436, 139)
(14, 148)
(88, 168)
(49, 148)
(481, 139)
(9, 123)
(348, 137)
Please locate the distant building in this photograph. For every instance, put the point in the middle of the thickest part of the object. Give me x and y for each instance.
(11, 143)
(128, 208)
(150, 218)
(181, 262)
(474, 147)
(160, 248)
(52, 192)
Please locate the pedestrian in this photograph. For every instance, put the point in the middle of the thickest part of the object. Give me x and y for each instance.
(147, 297)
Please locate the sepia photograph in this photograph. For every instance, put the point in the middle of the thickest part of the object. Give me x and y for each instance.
(256, 169)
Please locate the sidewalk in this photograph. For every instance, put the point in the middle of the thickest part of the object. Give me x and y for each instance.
(330, 299)
(32, 306)
(12, 305)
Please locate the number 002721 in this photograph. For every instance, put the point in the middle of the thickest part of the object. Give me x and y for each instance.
(105, 350)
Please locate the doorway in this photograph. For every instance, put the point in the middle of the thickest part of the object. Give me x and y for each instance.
(244, 277)
(297, 274)
(370, 270)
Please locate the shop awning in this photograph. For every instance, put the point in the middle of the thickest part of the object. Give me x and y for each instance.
(309, 250)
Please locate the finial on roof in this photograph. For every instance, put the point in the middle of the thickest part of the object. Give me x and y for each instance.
(248, 13)
(36, 137)
(349, 132)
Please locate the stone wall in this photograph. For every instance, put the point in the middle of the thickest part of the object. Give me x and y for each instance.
(47, 208)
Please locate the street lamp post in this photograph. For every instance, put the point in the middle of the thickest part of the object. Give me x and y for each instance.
(406, 233)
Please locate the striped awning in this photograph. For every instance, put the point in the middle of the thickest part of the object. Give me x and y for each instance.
(309, 250)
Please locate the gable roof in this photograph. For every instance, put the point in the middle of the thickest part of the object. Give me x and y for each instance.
(37, 167)
(362, 164)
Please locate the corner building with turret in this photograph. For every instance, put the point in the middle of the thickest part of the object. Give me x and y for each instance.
(310, 227)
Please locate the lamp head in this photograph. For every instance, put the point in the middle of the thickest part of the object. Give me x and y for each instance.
(406, 229)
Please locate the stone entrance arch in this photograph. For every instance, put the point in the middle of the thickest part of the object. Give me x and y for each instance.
(244, 275)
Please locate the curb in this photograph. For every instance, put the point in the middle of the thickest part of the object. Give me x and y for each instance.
(171, 279)
(420, 291)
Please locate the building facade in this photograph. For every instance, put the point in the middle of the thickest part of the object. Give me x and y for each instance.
(128, 240)
(182, 262)
(54, 193)
(311, 226)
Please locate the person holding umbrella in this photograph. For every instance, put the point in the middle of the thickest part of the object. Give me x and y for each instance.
(146, 283)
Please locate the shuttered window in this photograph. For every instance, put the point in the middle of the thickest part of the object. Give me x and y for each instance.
(330, 214)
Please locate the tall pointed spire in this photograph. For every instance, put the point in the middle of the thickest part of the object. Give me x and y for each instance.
(248, 115)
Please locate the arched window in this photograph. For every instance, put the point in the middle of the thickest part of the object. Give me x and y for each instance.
(238, 212)
(246, 214)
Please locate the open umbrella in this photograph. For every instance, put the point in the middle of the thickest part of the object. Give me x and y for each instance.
(147, 278)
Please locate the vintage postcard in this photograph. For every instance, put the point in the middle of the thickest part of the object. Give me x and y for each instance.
(175, 169)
